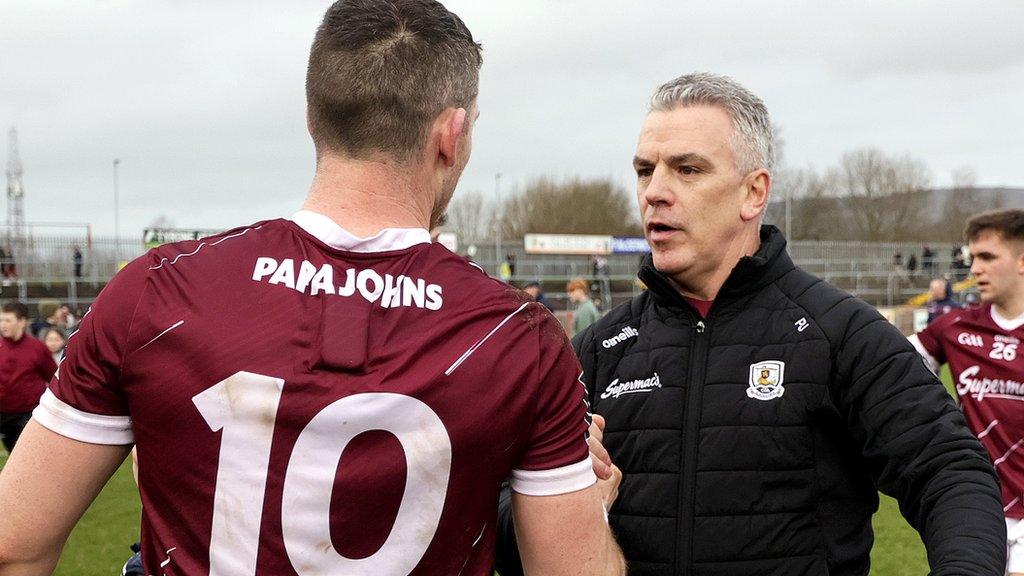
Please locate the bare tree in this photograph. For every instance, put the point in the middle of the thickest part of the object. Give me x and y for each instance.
(574, 206)
(883, 198)
(813, 212)
(962, 200)
(470, 216)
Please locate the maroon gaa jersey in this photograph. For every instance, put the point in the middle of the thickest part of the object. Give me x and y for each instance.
(987, 365)
(307, 402)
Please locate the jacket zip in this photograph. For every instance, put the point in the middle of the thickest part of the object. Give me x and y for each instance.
(688, 463)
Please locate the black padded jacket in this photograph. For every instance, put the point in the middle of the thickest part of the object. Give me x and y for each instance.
(752, 441)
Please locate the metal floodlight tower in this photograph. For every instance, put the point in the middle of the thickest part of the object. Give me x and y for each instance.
(15, 192)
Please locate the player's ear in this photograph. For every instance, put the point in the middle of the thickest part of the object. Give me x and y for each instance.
(449, 127)
(757, 186)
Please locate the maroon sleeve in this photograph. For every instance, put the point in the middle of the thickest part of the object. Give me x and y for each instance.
(90, 374)
(557, 457)
(931, 336)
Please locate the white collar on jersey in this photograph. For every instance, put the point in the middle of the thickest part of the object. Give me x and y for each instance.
(1007, 324)
(328, 232)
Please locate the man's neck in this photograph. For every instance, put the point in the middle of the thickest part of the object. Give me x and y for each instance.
(1010, 309)
(365, 197)
(707, 285)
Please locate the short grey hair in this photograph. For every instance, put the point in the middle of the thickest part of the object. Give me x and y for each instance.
(753, 141)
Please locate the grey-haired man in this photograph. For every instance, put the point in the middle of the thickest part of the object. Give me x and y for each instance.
(753, 409)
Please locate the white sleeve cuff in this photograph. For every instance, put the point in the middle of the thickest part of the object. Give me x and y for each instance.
(71, 422)
(929, 360)
(553, 482)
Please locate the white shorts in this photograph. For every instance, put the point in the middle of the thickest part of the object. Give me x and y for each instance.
(1014, 546)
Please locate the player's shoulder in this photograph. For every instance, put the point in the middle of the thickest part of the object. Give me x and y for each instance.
(460, 267)
(468, 281)
(205, 254)
(225, 245)
(958, 318)
(472, 291)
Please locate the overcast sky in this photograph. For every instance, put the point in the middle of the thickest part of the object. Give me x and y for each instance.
(203, 101)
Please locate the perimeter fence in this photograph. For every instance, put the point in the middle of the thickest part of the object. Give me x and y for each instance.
(43, 267)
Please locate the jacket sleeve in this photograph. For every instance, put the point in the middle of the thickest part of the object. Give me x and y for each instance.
(916, 443)
(506, 553)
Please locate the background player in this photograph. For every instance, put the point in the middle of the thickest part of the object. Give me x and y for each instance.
(382, 387)
(981, 347)
(26, 365)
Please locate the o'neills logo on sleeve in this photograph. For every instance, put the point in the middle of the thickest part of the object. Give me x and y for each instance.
(391, 291)
(981, 388)
(616, 388)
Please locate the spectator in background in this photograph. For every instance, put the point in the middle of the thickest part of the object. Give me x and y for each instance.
(928, 261)
(55, 341)
(504, 271)
(941, 298)
(26, 365)
(69, 319)
(897, 264)
(76, 258)
(51, 315)
(912, 265)
(47, 309)
(510, 258)
(585, 312)
(601, 275)
(535, 292)
(7, 264)
(961, 257)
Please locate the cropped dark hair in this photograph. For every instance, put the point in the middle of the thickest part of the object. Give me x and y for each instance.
(1009, 224)
(381, 70)
(17, 308)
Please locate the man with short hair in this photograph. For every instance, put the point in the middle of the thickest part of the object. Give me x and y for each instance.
(26, 365)
(753, 409)
(533, 289)
(363, 420)
(940, 299)
(981, 347)
(585, 313)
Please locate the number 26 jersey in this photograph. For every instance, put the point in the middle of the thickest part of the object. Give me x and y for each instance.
(981, 348)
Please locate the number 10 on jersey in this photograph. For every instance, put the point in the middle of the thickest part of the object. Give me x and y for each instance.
(244, 406)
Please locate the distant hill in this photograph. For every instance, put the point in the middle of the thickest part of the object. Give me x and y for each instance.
(829, 218)
(1006, 196)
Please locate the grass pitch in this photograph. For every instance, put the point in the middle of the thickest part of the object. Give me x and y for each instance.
(99, 545)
